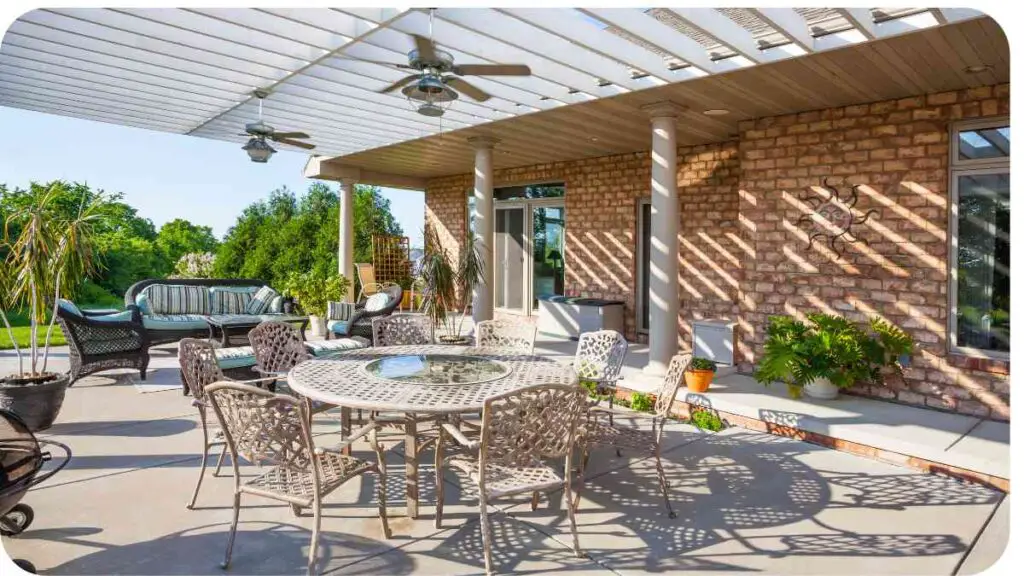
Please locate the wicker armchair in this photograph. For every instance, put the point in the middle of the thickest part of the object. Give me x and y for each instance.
(361, 321)
(646, 441)
(96, 345)
(519, 431)
(275, 428)
(402, 330)
(518, 336)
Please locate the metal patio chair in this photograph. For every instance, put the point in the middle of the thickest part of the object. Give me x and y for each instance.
(402, 330)
(517, 336)
(644, 440)
(519, 431)
(599, 358)
(268, 428)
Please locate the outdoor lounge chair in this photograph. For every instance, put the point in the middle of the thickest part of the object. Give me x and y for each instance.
(345, 320)
(103, 340)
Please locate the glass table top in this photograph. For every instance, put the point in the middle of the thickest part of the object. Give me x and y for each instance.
(437, 369)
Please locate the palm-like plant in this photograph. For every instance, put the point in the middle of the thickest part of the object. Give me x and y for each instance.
(447, 288)
(49, 254)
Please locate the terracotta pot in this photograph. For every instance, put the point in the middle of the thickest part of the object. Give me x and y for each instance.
(698, 380)
(37, 402)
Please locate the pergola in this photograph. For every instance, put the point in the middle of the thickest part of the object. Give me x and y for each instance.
(604, 81)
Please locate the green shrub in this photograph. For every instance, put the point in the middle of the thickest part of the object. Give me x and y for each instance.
(641, 402)
(706, 420)
(92, 296)
(702, 364)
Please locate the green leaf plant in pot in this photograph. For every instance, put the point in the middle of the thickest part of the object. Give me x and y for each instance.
(312, 291)
(448, 285)
(46, 255)
(699, 374)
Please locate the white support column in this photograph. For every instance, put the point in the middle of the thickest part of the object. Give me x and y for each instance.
(664, 284)
(346, 237)
(483, 215)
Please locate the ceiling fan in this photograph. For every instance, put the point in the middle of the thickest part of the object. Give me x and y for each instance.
(257, 147)
(438, 79)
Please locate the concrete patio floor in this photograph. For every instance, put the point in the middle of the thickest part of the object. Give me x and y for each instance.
(745, 501)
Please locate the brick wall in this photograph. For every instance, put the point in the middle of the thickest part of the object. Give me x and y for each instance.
(743, 255)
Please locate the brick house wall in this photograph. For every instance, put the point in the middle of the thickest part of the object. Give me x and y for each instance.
(743, 254)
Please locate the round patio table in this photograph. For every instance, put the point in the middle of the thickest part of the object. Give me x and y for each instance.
(421, 380)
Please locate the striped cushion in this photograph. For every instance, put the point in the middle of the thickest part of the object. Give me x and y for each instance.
(229, 300)
(325, 347)
(340, 311)
(260, 302)
(177, 299)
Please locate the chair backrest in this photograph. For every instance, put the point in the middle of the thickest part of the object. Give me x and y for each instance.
(263, 427)
(199, 368)
(366, 275)
(670, 385)
(402, 330)
(517, 336)
(599, 355)
(529, 425)
(277, 346)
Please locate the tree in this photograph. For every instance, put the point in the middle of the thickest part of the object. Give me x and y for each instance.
(179, 237)
(285, 233)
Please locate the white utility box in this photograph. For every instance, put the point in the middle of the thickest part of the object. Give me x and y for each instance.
(714, 340)
(569, 317)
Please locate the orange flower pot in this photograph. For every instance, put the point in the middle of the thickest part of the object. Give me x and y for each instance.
(698, 380)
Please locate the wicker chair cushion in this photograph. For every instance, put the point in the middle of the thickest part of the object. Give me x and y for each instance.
(376, 302)
(178, 299)
(325, 347)
(69, 306)
(174, 322)
(338, 326)
(230, 299)
(236, 357)
(261, 300)
(124, 316)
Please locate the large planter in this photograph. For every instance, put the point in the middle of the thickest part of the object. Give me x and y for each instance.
(317, 326)
(698, 380)
(406, 300)
(37, 403)
(821, 389)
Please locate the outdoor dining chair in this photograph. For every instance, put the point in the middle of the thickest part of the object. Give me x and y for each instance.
(402, 330)
(516, 336)
(519, 431)
(278, 347)
(599, 358)
(646, 440)
(268, 428)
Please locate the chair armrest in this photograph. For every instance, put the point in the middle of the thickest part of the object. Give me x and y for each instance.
(105, 312)
(459, 436)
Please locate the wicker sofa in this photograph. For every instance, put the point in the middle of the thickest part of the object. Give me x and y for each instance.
(172, 309)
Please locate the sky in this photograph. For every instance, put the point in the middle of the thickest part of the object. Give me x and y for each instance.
(164, 176)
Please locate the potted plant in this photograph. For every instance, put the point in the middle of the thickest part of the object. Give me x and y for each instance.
(312, 291)
(699, 374)
(47, 255)
(448, 288)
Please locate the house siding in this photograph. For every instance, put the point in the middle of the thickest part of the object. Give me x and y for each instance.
(744, 255)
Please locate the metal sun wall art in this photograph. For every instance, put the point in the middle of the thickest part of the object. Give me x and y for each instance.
(837, 210)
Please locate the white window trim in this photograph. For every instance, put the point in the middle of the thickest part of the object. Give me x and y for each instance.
(959, 167)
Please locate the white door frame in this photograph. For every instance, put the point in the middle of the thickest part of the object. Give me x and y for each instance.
(528, 206)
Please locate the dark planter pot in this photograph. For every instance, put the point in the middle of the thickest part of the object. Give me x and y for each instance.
(36, 402)
(288, 306)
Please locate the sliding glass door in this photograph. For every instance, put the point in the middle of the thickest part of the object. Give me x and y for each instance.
(509, 258)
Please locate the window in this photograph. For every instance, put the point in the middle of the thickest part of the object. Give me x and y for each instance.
(980, 233)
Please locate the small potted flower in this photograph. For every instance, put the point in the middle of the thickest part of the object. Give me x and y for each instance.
(699, 374)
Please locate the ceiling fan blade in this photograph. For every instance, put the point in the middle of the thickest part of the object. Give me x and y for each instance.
(492, 70)
(380, 62)
(279, 135)
(296, 143)
(424, 47)
(467, 88)
(398, 84)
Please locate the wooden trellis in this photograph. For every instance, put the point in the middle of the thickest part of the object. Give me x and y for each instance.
(391, 258)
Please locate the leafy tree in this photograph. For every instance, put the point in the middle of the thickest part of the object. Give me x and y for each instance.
(179, 237)
(284, 233)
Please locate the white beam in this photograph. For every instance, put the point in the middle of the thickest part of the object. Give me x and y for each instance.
(565, 22)
(861, 19)
(723, 29)
(950, 15)
(645, 27)
(789, 23)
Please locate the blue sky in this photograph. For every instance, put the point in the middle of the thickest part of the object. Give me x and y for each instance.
(165, 176)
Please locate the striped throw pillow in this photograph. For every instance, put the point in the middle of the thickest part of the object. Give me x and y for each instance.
(177, 299)
(227, 300)
(340, 311)
(261, 301)
(276, 305)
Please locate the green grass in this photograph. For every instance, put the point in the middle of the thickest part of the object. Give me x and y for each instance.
(22, 331)
(706, 420)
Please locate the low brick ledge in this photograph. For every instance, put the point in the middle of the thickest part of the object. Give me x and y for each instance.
(682, 409)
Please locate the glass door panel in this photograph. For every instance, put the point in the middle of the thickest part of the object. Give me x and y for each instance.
(548, 251)
(643, 296)
(509, 257)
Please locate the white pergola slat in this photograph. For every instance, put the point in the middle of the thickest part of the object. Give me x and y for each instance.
(193, 70)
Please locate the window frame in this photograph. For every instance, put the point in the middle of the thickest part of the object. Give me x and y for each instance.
(959, 167)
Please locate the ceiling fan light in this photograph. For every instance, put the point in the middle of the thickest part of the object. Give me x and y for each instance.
(258, 150)
(430, 109)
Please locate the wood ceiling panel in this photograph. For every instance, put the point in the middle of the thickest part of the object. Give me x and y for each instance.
(928, 61)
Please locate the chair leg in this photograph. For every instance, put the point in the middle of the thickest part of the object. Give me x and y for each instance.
(220, 460)
(584, 458)
(439, 477)
(382, 483)
(202, 466)
(311, 564)
(234, 527)
(535, 501)
(664, 484)
(571, 504)
(485, 532)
